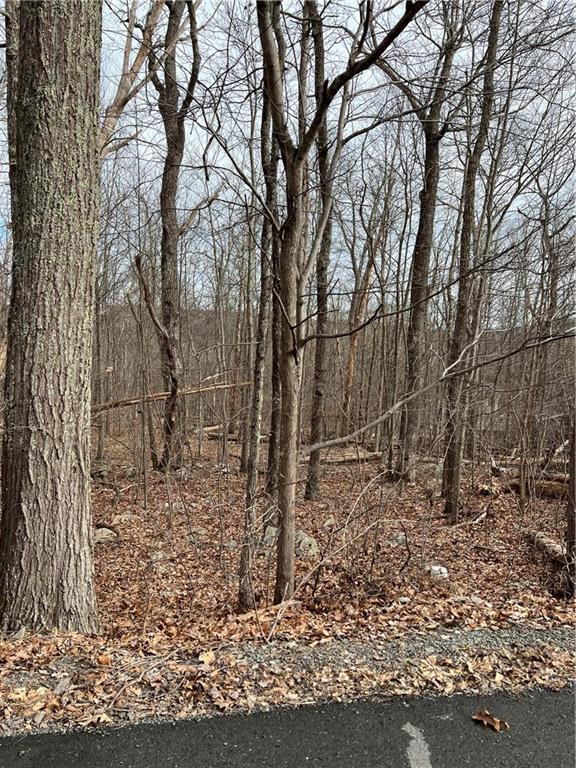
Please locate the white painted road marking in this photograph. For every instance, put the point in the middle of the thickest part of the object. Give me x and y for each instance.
(418, 752)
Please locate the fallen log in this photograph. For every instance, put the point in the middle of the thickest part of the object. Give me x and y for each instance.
(557, 477)
(346, 456)
(543, 489)
(551, 548)
(131, 401)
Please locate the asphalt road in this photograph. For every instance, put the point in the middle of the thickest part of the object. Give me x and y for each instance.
(408, 733)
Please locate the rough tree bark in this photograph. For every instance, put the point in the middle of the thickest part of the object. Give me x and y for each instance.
(46, 569)
(12, 22)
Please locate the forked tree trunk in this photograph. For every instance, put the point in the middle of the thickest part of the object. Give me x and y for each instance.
(174, 112)
(291, 278)
(46, 569)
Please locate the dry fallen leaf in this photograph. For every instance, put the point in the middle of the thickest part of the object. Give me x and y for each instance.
(149, 660)
(207, 657)
(487, 719)
(98, 718)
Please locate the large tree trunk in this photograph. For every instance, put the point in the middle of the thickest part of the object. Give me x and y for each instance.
(174, 424)
(46, 569)
(12, 22)
(273, 459)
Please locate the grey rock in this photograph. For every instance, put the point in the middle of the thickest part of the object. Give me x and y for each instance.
(123, 517)
(99, 470)
(306, 546)
(436, 571)
(197, 535)
(103, 535)
(270, 536)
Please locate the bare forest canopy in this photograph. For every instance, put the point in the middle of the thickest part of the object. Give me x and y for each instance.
(320, 224)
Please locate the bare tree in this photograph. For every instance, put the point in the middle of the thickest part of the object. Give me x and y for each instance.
(460, 334)
(269, 156)
(131, 82)
(428, 110)
(570, 536)
(293, 270)
(174, 111)
(323, 263)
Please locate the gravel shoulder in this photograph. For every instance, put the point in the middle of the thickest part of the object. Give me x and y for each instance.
(261, 676)
(381, 653)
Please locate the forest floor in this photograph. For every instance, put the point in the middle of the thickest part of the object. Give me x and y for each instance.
(389, 601)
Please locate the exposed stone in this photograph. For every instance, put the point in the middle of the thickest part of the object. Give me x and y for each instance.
(398, 540)
(474, 599)
(437, 571)
(270, 536)
(99, 470)
(103, 535)
(123, 517)
(197, 535)
(306, 546)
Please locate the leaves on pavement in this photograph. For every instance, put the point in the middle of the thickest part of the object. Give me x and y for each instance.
(488, 720)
